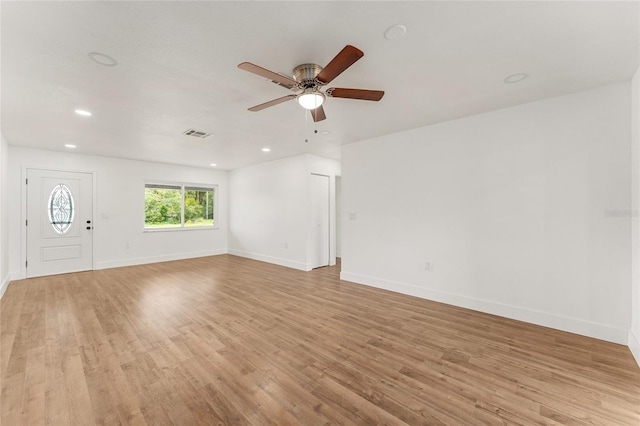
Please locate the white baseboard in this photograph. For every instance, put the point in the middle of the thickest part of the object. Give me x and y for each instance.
(571, 325)
(270, 259)
(4, 285)
(154, 259)
(634, 346)
(15, 276)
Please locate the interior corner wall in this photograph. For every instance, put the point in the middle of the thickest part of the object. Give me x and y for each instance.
(268, 212)
(118, 217)
(4, 221)
(634, 332)
(521, 212)
(269, 209)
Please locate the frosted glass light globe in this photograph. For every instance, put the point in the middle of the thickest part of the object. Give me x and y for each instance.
(310, 100)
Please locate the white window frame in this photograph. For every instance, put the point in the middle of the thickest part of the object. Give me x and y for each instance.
(182, 186)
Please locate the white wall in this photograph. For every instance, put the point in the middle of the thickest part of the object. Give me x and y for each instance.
(634, 333)
(4, 221)
(338, 216)
(119, 213)
(268, 209)
(4, 217)
(512, 209)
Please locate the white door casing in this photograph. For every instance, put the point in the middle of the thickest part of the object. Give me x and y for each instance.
(320, 212)
(62, 246)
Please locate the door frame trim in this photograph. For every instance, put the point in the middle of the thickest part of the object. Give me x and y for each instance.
(23, 213)
(332, 219)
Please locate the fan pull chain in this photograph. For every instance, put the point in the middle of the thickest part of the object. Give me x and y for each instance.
(306, 125)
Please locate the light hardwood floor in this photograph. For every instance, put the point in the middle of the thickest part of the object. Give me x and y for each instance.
(226, 340)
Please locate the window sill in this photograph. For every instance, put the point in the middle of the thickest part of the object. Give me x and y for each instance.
(176, 229)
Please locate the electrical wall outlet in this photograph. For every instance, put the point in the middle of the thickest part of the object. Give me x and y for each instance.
(428, 266)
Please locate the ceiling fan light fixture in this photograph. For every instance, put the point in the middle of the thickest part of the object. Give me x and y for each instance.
(310, 99)
(309, 78)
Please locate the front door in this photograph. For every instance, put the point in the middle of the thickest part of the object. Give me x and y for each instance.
(59, 222)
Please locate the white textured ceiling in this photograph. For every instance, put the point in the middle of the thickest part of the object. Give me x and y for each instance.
(177, 70)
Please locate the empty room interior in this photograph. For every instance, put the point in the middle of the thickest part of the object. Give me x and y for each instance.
(320, 212)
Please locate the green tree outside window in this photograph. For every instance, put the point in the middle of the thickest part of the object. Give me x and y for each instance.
(165, 206)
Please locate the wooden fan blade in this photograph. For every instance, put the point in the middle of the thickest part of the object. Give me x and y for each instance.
(366, 95)
(263, 72)
(341, 62)
(272, 103)
(318, 114)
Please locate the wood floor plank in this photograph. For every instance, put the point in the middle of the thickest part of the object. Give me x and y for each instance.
(231, 341)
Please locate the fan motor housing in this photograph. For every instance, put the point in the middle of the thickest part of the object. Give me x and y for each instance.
(306, 72)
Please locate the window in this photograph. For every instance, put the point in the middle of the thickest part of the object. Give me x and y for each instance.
(198, 206)
(179, 206)
(60, 209)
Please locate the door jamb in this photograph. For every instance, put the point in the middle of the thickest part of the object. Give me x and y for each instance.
(332, 219)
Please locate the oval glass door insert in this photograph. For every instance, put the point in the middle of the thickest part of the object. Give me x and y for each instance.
(61, 209)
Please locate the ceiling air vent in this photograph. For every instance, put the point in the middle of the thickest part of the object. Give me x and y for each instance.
(196, 133)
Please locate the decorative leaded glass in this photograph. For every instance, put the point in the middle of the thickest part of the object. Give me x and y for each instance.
(61, 209)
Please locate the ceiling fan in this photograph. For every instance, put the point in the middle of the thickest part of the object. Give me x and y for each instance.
(309, 78)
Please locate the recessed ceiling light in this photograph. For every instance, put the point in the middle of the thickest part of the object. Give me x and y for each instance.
(325, 132)
(516, 78)
(103, 59)
(395, 32)
(69, 145)
(213, 164)
(266, 149)
(83, 112)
